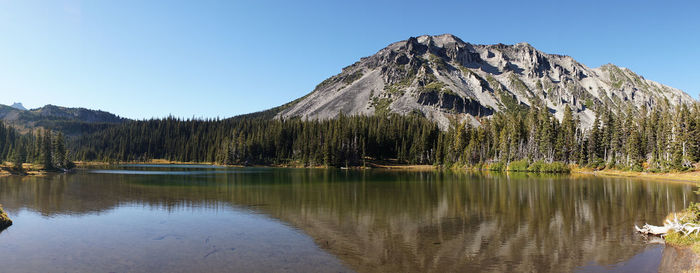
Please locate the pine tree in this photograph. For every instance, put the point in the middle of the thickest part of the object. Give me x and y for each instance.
(568, 135)
(46, 156)
(634, 153)
(594, 143)
(59, 159)
(19, 156)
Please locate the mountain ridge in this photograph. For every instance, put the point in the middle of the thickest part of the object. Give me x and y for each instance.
(444, 78)
(66, 119)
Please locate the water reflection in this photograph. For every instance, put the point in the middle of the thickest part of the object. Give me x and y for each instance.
(386, 221)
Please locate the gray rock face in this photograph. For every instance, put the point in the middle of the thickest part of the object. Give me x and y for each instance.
(444, 78)
(18, 106)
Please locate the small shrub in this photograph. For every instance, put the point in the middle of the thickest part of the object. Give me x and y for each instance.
(497, 166)
(689, 215)
(537, 166)
(693, 212)
(381, 106)
(439, 62)
(678, 239)
(352, 77)
(598, 164)
(556, 167)
(637, 168)
(691, 241)
(519, 166)
(434, 87)
(611, 165)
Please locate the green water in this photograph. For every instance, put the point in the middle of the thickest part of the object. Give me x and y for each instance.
(154, 218)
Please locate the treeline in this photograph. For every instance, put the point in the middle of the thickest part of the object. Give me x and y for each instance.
(9, 139)
(343, 141)
(628, 139)
(44, 148)
(529, 139)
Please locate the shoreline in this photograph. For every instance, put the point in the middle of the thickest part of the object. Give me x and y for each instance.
(5, 221)
(684, 249)
(687, 176)
(27, 169)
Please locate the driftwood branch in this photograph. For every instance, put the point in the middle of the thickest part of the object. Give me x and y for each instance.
(670, 225)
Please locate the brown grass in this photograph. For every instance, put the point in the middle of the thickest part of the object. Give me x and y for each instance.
(7, 168)
(690, 176)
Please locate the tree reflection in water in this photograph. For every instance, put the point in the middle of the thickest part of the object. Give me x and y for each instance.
(389, 221)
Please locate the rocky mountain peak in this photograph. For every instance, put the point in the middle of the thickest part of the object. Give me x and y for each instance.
(18, 106)
(443, 40)
(444, 78)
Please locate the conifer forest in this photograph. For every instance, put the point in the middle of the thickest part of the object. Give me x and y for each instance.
(526, 139)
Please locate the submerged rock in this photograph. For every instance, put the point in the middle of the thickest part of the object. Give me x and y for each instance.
(4, 219)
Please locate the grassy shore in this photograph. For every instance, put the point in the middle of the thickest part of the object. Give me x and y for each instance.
(687, 176)
(377, 164)
(86, 164)
(8, 168)
(690, 241)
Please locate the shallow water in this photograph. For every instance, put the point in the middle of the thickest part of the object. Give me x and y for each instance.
(153, 218)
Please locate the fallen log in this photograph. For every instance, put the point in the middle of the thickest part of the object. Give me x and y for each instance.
(670, 225)
(648, 229)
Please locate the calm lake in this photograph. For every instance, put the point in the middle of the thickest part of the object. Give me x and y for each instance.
(195, 218)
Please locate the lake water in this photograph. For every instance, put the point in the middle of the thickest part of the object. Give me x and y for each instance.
(193, 218)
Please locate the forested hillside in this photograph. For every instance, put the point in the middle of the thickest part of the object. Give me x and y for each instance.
(629, 138)
(336, 142)
(46, 149)
(520, 139)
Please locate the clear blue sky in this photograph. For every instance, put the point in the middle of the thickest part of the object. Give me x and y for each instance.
(142, 59)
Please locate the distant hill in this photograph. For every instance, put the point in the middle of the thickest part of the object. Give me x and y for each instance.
(70, 121)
